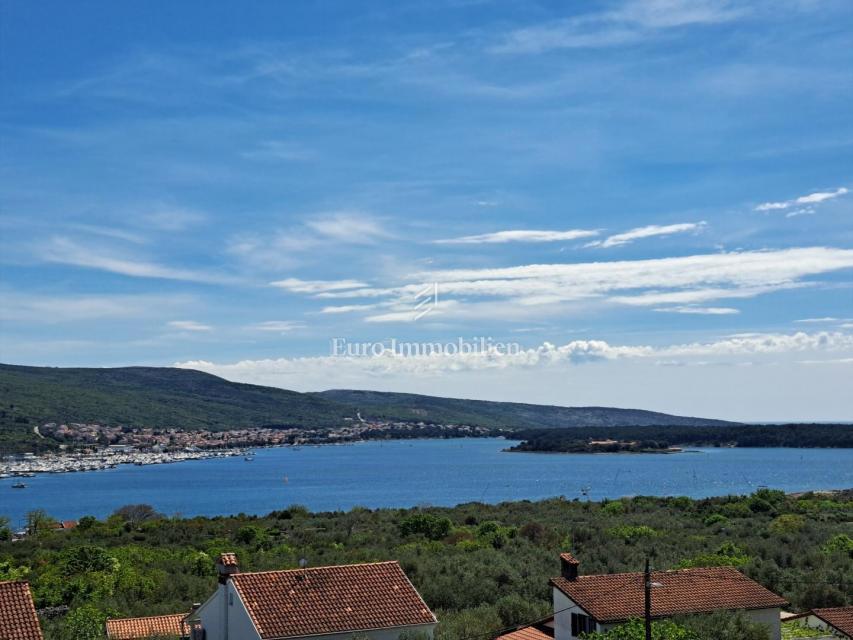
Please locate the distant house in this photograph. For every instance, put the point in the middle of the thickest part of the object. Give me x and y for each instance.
(836, 621)
(169, 626)
(18, 619)
(374, 600)
(584, 604)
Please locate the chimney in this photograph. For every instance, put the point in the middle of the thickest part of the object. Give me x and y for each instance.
(227, 566)
(569, 566)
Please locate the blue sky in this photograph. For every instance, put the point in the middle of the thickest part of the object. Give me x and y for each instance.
(652, 199)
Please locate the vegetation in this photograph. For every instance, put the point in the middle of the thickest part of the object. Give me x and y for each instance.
(480, 567)
(413, 407)
(656, 438)
(156, 397)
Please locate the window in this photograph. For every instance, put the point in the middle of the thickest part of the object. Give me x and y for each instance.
(582, 624)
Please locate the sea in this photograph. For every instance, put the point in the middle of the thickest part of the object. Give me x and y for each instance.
(407, 473)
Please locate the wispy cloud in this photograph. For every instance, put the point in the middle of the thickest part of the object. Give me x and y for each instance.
(521, 235)
(63, 250)
(58, 309)
(705, 311)
(811, 199)
(649, 231)
(687, 280)
(348, 227)
(278, 326)
(631, 22)
(316, 286)
(189, 325)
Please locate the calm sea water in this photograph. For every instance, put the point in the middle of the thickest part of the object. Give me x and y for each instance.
(409, 473)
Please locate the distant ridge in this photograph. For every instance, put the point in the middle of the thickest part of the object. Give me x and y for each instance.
(409, 406)
(186, 399)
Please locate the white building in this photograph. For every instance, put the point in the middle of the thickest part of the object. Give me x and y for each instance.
(373, 600)
(836, 621)
(584, 604)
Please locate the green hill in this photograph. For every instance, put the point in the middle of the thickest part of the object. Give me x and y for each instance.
(409, 407)
(187, 399)
(153, 397)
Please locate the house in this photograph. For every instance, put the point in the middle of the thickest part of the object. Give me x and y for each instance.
(18, 618)
(836, 621)
(172, 625)
(584, 604)
(374, 600)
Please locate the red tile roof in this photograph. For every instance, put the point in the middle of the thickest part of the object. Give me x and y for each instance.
(359, 597)
(541, 631)
(137, 628)
(839, 617)
(620, 596)
(18, 619)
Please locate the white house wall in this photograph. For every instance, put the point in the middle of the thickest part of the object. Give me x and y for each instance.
(564, 607)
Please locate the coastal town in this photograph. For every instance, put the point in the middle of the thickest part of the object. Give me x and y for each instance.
(94, 447)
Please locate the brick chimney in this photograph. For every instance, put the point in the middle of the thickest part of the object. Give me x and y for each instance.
(569, 566)
(227, 566)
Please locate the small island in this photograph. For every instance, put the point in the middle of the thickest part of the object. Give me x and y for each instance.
(673, 439)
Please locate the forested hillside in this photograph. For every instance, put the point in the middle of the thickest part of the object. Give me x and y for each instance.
(186, 399)
(657, 438)
(408, 406)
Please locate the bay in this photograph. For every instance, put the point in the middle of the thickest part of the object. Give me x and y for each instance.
(408, 473)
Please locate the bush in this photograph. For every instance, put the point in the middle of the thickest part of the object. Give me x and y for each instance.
(425, 524)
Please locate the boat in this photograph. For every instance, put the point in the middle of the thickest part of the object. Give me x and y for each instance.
(249, 459)
(19, 485)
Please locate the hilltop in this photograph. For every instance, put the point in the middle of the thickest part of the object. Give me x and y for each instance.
(408, 407)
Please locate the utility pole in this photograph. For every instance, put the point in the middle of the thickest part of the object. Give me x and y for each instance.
(647, 577)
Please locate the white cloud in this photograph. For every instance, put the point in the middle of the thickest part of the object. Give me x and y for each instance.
(634, 21)
(649, 231)
(810, 199)
(63, 250)
(521, 235)
(707, 311)
(348, 227)
(316, 286)
(818, 320)
(189, 325)
(280, 326)
(686, 280)
(390, 363)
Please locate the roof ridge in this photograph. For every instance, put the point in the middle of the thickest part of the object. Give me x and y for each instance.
(670, 571)
(159, 615)
(328, 566)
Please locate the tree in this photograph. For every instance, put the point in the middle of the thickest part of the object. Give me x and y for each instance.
(84, 623)
(136, 514)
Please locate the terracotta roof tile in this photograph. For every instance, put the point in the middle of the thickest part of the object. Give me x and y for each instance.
(541, 631)
(18, 619)
(619, 596)
(839, 617)
(301, 602)
(137, 628)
